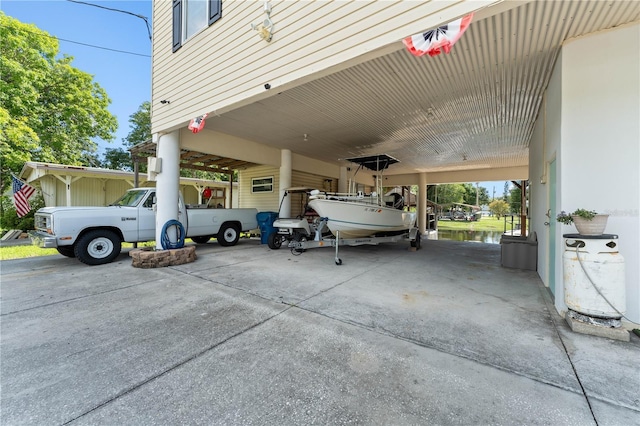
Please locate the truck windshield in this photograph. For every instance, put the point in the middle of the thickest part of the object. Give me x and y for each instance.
(130, 199)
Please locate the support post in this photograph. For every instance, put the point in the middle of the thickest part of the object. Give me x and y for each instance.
(285, 182)
(422, 203)
(136, 171)
(343, 181)
(523, 208)
(168, 185)
(230, 190)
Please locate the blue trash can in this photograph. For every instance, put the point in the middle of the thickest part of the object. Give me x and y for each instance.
(265, 223)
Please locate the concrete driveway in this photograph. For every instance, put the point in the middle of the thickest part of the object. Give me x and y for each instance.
(247, 335)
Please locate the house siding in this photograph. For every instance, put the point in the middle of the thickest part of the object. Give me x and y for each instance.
(270, 201)
(573, 130)
(266, 201)
(228, 64)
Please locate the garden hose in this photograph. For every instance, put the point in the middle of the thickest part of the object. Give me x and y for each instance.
(166, 242)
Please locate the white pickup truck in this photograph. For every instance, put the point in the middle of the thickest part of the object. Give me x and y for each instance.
(95, 235)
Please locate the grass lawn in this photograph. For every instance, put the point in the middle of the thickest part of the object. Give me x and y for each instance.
(21, 252)
(484, 224)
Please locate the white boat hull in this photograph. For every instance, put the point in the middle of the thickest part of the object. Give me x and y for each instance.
(354, 219)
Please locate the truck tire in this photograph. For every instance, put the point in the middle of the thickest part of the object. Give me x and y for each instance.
(66, 251)
(228, 235)
(274, 241)
(201, 239)
(98, 247)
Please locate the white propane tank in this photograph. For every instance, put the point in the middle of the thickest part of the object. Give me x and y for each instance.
(594, 258)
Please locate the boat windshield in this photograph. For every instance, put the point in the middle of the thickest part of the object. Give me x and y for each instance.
(130, 199)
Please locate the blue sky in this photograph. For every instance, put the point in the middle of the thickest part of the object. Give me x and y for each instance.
(125, 77)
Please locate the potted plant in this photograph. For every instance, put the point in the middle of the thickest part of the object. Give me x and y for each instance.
(587, 222)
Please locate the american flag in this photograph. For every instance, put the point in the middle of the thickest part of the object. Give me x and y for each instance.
(21, 194)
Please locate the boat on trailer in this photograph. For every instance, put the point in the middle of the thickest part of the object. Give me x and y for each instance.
(356, 215)
(350, 219)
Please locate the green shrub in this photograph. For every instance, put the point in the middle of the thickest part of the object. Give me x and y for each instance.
(9, 218)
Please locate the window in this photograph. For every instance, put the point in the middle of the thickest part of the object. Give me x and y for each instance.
(191, 16)
(263, 184)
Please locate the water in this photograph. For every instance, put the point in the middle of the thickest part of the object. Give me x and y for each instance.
(490, 237)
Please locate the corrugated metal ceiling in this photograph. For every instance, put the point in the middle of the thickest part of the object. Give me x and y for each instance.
(471, 109)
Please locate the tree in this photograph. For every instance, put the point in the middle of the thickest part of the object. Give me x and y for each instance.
(515, 202)
(505, 193)
(470, 194)
(117, 159)
(49, 110)
(499, 208)
(140, 125)
(448, 193)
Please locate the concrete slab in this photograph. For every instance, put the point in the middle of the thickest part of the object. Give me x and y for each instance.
(597, 330)
(248, 335)
(303, 368)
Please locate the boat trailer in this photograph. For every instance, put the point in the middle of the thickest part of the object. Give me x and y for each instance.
(301, 235)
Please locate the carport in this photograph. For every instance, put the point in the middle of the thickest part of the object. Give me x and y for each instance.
(466, 116)
(189, 159)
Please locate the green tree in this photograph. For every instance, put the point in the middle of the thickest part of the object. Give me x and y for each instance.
(470, 194)
(499, 208)
(515, 203)
(505, 193)
(140, 125)
(447, 193)
(117, 159)
(49, 110)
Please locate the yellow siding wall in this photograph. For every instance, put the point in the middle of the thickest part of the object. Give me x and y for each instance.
(84, 191)
(91, 191)
(228, 64)
(271, 201)
(267, 201)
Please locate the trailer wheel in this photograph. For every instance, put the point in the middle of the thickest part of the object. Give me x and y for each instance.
(228, 235)
(67, 251)
(201, 239)
(98, 247)
(417, 242)
(274, 241)
(299, 238)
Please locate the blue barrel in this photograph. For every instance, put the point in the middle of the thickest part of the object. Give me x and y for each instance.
(265, 223)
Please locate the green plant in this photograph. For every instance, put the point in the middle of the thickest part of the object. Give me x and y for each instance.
(9, 218)
(567, 218)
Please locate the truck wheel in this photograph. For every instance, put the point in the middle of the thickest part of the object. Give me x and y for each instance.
(201, 240)
(274, 241)
(98, 247)
(66, 251)
(228, 235)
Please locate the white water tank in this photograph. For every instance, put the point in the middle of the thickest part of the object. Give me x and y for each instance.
(594, 275)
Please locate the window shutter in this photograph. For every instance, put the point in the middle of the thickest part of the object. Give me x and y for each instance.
(215, 10)
(177, 24)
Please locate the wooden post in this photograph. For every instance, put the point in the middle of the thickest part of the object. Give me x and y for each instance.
(231, 189)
